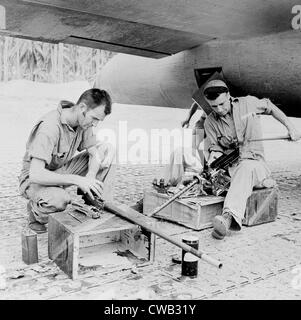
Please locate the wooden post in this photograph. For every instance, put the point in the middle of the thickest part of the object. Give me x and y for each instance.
(29, 246)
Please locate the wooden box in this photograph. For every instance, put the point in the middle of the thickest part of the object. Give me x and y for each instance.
(76, 242)
(196, 213)
(262, 207)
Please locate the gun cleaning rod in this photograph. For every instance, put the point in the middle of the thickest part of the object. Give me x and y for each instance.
(177, 195)
(271, 138)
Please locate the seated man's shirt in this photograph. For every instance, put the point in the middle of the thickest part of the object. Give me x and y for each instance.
(240, 125)
(54, 141)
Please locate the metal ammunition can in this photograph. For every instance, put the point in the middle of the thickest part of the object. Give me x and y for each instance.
(189, 261)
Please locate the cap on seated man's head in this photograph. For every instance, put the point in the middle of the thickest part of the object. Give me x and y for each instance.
(214, 88)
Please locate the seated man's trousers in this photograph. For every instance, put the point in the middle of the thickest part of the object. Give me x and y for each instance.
(245, 176)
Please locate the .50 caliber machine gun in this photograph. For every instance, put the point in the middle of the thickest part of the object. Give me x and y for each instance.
(214, 180)
(217, 173)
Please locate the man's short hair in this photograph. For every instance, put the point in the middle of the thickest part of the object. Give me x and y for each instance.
(95, 97)
(214, 88)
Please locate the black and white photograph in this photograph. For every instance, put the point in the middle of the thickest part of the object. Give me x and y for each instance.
(150, 150)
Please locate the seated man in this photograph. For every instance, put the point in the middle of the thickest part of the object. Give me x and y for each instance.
(235, 121)
(49, 164)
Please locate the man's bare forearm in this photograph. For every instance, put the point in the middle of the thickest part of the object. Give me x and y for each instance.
(213, 156)
(95, 159)
(282, 118)
(294, 134)
(49, 178)
(93, 166)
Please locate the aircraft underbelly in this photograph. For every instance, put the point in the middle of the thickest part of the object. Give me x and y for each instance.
(267, 66)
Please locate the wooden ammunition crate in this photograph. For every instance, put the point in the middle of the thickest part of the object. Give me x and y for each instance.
(195, 213)
(262, 207)
(109, 242)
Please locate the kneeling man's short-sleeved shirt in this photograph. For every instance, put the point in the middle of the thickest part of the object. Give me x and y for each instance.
(54, 141)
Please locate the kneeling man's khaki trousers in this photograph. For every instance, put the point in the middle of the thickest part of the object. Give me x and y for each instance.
(50, 199)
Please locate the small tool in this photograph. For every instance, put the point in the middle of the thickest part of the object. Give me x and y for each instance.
(161, 187)
(89, 211)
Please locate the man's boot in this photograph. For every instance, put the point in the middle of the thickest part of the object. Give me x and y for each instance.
(32, 222)
(221, 225)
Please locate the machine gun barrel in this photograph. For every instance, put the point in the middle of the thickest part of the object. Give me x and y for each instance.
(145, 222)
(216, 173)
(148, 224)
(224, 161)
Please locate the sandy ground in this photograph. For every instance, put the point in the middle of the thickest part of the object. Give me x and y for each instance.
(23, 102)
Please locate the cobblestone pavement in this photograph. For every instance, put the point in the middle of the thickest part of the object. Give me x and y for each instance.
(261, 262)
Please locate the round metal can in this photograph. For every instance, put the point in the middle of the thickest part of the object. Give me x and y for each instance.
(189, 261)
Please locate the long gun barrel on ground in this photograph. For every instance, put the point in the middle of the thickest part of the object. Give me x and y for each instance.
(147, 223)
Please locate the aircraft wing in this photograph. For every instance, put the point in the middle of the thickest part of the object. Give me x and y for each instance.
(150, 28)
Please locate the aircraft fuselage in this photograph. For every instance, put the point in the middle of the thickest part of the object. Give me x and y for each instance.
(268, 66)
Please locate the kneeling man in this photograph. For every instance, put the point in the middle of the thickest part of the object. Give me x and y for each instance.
(50, 163)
